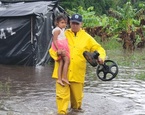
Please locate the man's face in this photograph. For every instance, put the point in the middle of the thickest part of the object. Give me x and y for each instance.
(75, 27)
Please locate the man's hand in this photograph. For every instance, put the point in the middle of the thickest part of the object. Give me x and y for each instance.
(63, 53)
(59, 52)
(100, 61)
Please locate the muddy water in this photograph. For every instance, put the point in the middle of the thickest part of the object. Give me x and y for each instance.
(31, 91)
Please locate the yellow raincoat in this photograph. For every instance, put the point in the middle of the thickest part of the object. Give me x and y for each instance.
(78, 43)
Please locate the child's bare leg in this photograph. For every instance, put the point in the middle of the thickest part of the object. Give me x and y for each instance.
(60, 72)
(65, 69)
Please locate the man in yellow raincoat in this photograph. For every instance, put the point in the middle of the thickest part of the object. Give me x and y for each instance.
(79, 41)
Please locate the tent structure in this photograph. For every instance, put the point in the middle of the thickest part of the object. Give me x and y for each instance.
(25, 31)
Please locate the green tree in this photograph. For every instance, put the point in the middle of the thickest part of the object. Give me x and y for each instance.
(126, 16)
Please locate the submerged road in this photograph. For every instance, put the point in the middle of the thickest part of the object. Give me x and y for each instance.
(31, 91)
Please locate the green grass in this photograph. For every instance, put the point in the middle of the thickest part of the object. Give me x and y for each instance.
(110, 43)
(5, 87)
(140, 76)
(123, 57)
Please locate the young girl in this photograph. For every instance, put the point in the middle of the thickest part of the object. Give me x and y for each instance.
(60, 45)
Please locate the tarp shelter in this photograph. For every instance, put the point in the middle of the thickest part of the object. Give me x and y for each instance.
(25, 31)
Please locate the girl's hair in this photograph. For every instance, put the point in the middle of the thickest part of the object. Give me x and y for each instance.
(60, 17)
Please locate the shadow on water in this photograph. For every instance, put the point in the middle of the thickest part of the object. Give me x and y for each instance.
(31, 91)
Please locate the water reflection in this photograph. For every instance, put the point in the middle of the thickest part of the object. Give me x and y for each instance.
(31, 91)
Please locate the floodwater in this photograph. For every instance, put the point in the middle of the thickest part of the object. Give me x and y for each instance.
(31, 91)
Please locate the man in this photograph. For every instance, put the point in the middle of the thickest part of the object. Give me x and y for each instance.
(79, 41)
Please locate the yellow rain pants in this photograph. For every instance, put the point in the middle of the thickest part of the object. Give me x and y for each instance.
(72, 94)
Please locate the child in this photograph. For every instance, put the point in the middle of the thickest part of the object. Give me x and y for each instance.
(60, 45)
